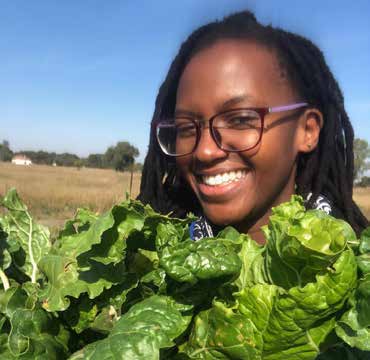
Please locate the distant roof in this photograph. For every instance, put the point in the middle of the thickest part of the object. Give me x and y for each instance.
(20, 157)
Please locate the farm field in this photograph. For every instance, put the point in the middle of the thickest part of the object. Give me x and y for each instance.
(54, 193)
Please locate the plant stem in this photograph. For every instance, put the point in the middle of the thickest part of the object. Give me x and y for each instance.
(4, 280)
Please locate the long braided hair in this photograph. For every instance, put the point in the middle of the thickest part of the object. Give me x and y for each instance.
(327, 170)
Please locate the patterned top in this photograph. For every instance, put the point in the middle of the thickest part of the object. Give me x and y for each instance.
(201, 228)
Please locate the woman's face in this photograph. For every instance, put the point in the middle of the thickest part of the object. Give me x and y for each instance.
(234, 74)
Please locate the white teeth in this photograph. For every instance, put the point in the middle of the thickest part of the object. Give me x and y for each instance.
(218, 179)
(224, 178)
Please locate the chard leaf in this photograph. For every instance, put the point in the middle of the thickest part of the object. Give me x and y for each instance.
(5, 258)
(112, 247)
(65, 279)
(75, 245)
(363, 262)
(101, 313)
(252, 270)
(305, 347)
(81, 222)
(190, 261)
(363, 301)
(34, 334)
(146, 328)
(256, 303)
(30, 239)
(300, 246)
(349, 329)
(220, 333)
(365, 241)
(71, 270)
(300, 308)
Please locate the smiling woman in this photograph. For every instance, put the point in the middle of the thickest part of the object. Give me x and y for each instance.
(247, 116)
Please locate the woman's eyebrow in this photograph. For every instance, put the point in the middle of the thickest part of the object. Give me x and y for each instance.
(235, 100)
(189, 113)
(226, 104)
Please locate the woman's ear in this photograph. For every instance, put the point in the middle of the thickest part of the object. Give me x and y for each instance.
(311, 123)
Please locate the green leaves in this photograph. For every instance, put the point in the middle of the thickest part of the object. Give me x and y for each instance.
(28, 241)
(34, 334)
(220, 333)
(303, 244)
(146, 328)
(354, 326)
(131, 284)
(189, 261)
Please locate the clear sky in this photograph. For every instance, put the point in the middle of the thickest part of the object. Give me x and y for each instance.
(78, 76)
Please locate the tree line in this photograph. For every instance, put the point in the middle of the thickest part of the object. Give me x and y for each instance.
(122, 157)
(119, 157)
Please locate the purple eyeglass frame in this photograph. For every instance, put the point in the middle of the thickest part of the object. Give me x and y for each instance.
(262, 111)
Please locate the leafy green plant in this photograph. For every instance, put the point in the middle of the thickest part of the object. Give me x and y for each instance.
(130, 284)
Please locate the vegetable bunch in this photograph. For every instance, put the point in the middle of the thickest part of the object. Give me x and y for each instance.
(131, 284)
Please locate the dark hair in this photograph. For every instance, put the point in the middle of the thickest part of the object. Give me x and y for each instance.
(327, 170)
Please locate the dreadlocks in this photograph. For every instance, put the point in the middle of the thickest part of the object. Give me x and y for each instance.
(327, 170)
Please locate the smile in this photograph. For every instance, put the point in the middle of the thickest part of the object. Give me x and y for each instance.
(223, 178)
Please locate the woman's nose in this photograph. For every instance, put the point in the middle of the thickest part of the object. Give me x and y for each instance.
(207, 149)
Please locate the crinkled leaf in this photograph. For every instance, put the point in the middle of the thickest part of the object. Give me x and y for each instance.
(341, 351)
(348, 329)
(32, 239)
(81, 314)
(301, 307)
(80, 223)
(101, 313)
(66, 279)
(252, 270)
(36, 335)
(305, 347)
(221, 333)
(147, 327)
(363, 262)
(5, 258)
(75, 245)
(300, 246)
(363, 301)
(208, 258)
(365, 241)
(112, 247)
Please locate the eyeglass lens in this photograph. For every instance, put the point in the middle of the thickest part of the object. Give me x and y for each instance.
(232, 131)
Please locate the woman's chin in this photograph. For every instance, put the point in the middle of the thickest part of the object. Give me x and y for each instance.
(223, 215)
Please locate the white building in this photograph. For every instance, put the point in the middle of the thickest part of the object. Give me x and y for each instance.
(21, 159)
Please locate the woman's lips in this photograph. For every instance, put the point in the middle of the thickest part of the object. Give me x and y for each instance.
(223, 191)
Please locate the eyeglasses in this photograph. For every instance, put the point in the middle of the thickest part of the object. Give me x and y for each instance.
(233, 130)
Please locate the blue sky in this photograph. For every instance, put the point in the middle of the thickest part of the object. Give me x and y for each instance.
(78, 76)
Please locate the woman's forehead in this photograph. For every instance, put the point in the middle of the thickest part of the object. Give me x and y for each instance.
(230, 68)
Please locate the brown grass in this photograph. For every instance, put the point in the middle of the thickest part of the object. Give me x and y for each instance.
(362, 198)
(53, 194)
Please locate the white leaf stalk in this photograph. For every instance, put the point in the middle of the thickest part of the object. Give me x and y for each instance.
(30, 251)
(4, 280)
(29, 244)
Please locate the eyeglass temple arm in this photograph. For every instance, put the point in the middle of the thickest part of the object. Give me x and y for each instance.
(287, 107)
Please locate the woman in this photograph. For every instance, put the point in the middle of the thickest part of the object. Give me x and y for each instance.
(247, 116)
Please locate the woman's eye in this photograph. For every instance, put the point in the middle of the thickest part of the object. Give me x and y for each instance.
(242, 122)
(185, 130)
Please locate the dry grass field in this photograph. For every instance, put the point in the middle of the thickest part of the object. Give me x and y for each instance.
(362, 198)
(53, 194)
